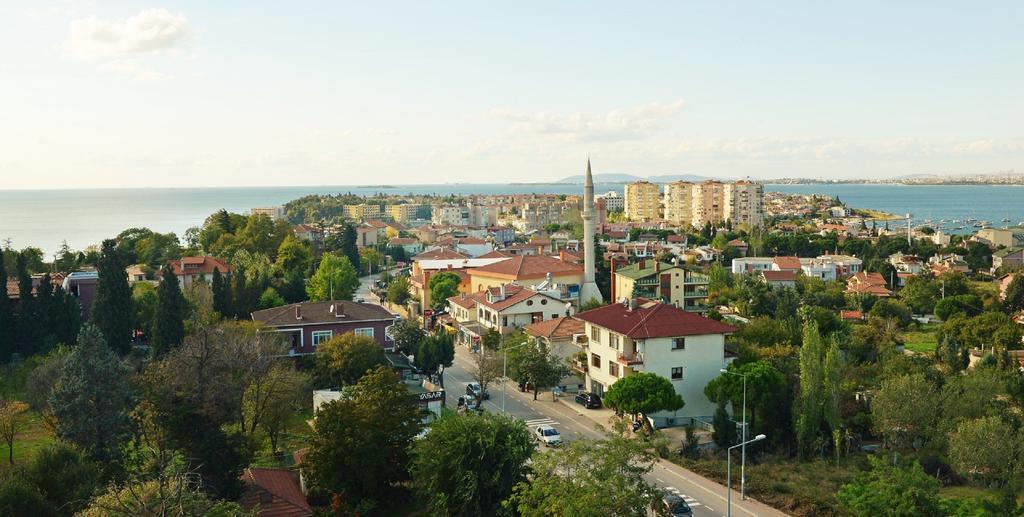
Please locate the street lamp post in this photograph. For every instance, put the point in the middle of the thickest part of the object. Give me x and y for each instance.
(743, 450)
(504, 371)
(728, 470)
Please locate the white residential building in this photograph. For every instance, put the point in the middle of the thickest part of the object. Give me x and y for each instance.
(683, 347)
(613, 201)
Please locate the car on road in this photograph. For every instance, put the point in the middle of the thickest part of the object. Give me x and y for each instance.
(675, 506)
(548, 436)
(474, 390)
(588, 400)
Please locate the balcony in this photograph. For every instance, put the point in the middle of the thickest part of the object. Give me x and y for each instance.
(651, 280)
(578, 365)
(631, 359)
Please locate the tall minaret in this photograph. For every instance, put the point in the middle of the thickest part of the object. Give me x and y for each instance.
(589, 290)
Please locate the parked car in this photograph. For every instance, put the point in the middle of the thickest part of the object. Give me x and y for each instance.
(474, 389)
(548, 436)
(588, 400)
(675, 506)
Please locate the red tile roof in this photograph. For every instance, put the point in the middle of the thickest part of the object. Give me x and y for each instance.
(440, 254)
(513, 295)
(468, 301)
(286, 498)
(557, 328)
(779, 276)
(199, 266)
(402, 241)
(653, 320)
(790, 263)
(496, 254)
(528, 266)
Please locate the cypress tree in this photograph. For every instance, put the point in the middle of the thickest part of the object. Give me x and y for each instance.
(112, 310)
(68, 319)
(348, 245)
(46, 315)
(7, 322)
(221, 293)
(168, 322)
(239, 295)
(27, 331)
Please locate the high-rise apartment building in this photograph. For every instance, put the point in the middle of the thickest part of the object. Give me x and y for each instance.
(404, 213)
(714, 202)
(642, 201)
(613, 201)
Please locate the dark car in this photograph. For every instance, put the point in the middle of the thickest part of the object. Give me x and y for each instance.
(676, 506)
(588, 400)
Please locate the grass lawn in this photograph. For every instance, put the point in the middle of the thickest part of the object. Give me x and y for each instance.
(789, 485)
(32, 437)
(984, 287)
(921, 340)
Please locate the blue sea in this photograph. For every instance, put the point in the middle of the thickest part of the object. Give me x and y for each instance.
(45, 218)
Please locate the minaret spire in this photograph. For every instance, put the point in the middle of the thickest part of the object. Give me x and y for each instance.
(589, 290)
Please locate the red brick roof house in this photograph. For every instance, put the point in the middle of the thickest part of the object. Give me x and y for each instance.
(851, 315)
(273, 493)
(779, 278)
(440, 254)
(307, 324)
(868, 283)
(787, 264)
(194, 269)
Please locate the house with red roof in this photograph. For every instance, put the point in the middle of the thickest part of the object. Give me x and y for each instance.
(646, 336)
(868, 283)
(785, 279)
(273, 492)
(527, 270)
(196, 269)
(560, 337)
(505, 308)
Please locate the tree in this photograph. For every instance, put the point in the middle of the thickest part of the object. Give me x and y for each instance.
(767, 396)
(64, 475)
(28, 332)
(985, 449)
(1015, 293)
(604, 477)
(293, 256)
(408, 334)
(112, 308)
(343, 444)
(270, 299)
(11, 423)
(891, 490)
(221, 287)
(532, 364)
(643, 393)
(809, 414)
(968, 304)
(344, 359)
(7, 321)
(905, 410)
(724, 433)
(349, 247)
(435, 353)
(491, 339)
(398, 290)
(469, 464)
(272, 400)
(335, 279)
(442, 286)
(487, 366)
(169, 320)
(91, 398)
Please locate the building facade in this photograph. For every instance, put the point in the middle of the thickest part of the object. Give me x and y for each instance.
(656, 280)
(641, 201)
(679, 203)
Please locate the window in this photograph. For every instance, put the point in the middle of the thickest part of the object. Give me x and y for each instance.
(529, 303)
(677, 373)
(613, 369)
(595, 360)
(613, 340)
(543, 301)
(365, 331)
(595, 334)
(320, 336)
(679, 343)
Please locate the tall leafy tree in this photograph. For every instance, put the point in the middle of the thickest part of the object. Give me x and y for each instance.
(398, 290)
(335, 279)
(346, 358)
(1015, 293)
(767, 397)
(832, 375)
(349, 247)
(469, 464)
(435, 353)
(91, 398)
(809, 406)
(985, 449)
(169, 320)
(360, 442)
(28, 331)
(604, 477)
(534, 365)
(112, 308)
(906, 410)
(8, 323)
(408, 334)
(221, 293)
(725, 429)
(443, 286)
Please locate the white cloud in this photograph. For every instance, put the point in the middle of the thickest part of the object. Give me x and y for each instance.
(132, 69)
(150, 31)
(615, 125)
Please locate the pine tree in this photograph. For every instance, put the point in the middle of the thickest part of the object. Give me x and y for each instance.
(221, 293)
(112, 310)
(224, 221)
(8, 336)
(28, 333)
(168, 322)
(348, 245)
(725, 429)
(91, 399)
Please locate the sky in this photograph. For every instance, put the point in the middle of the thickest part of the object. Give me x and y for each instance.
(229, 93)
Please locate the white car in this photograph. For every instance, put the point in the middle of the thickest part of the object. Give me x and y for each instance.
(548, 436)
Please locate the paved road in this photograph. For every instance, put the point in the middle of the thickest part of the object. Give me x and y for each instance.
(566, 416)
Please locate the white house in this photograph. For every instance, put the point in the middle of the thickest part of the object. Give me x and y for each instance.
(645, 336)
(744, 265)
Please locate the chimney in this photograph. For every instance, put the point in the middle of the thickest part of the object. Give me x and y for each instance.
(298, 312)
(561, 255)
(657, 266)
(502, 291)
(632, 304)
(612, 264)
(338, 309)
